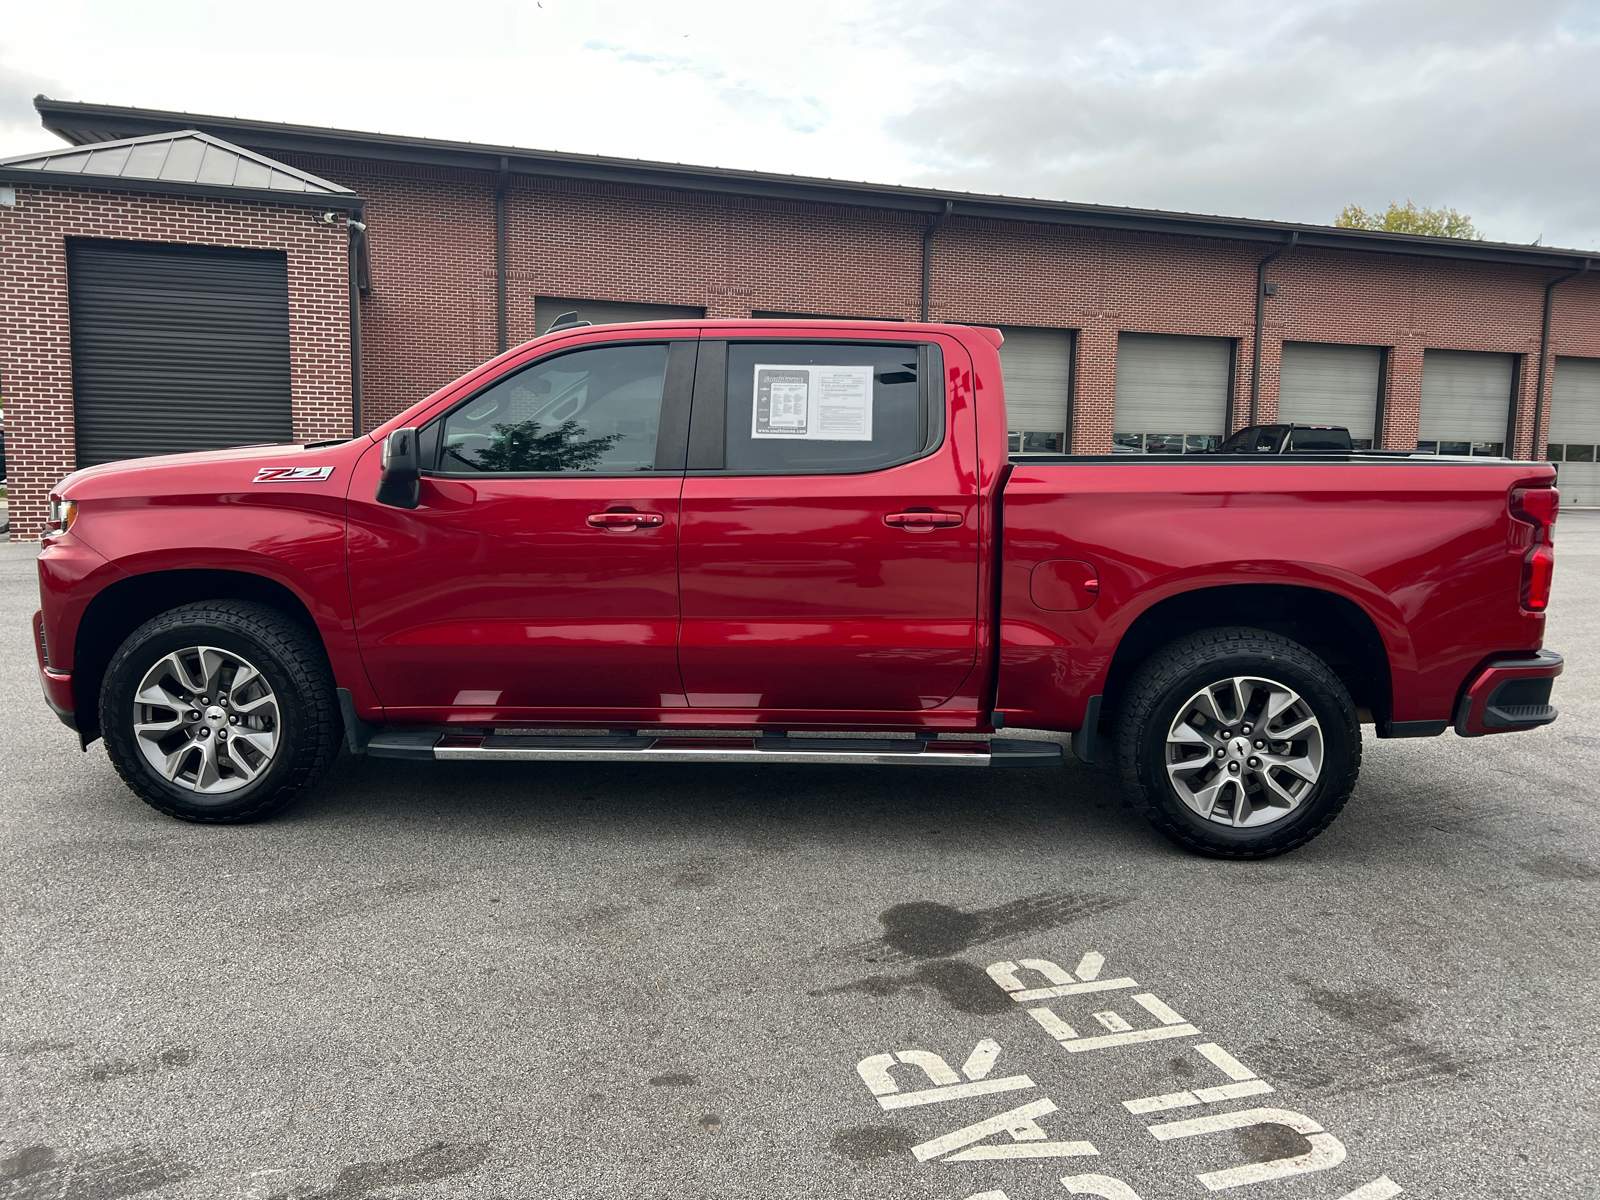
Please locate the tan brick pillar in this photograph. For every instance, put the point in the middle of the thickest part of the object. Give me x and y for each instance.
(1402, 401)
(1094, 391)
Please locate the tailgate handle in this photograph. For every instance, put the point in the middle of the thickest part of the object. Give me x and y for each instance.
(930, 519)
(625, 520)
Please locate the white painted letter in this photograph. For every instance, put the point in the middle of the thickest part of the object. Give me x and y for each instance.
(1326, 1150)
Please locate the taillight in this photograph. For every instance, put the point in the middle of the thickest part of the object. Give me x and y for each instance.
(1537, 568)
(1537, 506)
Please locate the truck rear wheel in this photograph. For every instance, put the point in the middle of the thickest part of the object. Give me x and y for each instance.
(222, 711)
(1238, 743)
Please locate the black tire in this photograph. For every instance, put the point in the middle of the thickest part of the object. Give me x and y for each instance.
(1164, 685)
(294, 665)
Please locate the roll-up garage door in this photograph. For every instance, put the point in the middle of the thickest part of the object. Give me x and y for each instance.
(1575, 429)
(1037, 364)
(1331, 385)
(1466, 401)
(177, 348)
(603, 312)
(1172, 393)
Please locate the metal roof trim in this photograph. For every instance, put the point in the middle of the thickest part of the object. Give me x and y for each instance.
(84, 124)
(309, 184)
(344, 201)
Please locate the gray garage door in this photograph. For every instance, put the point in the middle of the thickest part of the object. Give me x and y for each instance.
(177, 348)
(1172, 393)
(1466, 401)
(604, 312)
(1331, 385)
(1575, 429)
(1037, 364)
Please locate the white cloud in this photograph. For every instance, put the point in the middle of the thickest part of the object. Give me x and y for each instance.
(1287, 109)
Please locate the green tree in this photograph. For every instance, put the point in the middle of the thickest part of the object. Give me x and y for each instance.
(524, 447)
(1433, 222)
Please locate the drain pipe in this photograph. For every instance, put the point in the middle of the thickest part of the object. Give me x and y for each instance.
(927, 254)
(500, 250)
(357, 229)
(1261, 317)
(1544, 354)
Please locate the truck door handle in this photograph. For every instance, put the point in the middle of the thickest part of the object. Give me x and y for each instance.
(929, 519)
(624, 521)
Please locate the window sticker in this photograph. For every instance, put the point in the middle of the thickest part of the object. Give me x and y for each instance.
(813, 404)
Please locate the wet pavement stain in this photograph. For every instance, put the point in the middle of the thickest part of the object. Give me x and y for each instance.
(1560, 867)
(40, 1173)
(963, 986)
(867, 1142)
(1265, 1143)
(439, 1161)
(924, 929)
(676, 1079)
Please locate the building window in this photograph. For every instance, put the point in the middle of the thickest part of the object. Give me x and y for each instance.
(1164, 443)
(1463, 449)
(1033, 441)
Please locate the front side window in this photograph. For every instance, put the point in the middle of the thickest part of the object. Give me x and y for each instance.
(819, 407)
(592, 411)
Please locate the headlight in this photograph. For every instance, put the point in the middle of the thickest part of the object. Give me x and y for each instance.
(62, 514)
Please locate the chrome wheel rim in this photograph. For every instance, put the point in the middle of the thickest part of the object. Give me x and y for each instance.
(1244, 751)
(206, 720)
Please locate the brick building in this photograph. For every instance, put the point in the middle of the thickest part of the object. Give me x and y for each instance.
(1126, 329)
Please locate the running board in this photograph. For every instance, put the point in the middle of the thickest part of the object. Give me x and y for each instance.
(444, 746)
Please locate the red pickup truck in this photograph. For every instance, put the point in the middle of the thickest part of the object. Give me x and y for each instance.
(787, 541)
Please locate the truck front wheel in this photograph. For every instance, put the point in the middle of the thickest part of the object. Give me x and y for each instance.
(1238, 743)
(222, 711)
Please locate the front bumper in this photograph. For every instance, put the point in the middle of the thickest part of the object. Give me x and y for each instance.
(1509, 694)
(57, 684)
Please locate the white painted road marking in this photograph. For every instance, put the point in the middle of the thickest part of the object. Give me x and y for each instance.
(1224, 1062)
(981, 1060)
(958, 1091)
(1245, 1084)
(1381, 1188)
(1326, 1150)
(1061, 981)
(1020, 1123)
(874, 1072)
(1098, 1185)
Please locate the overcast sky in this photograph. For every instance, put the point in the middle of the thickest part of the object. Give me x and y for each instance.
(1288, 110)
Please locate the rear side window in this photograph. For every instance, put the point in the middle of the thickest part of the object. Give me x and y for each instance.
(591, 411)
(828, 407)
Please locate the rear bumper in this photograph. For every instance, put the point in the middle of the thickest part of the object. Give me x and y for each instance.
(1509, 694)
(57, 684)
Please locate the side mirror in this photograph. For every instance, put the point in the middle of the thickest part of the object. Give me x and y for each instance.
(401, 484)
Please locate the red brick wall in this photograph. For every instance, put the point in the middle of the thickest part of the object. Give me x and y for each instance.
(35, 339)
(433, 314)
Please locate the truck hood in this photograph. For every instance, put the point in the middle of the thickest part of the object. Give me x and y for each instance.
(210, 470)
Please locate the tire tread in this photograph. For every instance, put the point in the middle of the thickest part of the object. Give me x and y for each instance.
(1214, 647)
(302, 656)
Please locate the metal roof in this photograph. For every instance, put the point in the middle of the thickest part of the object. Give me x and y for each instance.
(187, 161)
(84, 124)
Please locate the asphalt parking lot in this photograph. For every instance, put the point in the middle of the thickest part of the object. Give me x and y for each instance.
(492, 980)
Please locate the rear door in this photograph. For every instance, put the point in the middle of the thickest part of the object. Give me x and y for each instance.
(830, 544)
(538, 575)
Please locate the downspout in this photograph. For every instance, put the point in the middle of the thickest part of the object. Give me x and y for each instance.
(927, 255)
(357, 229)
(500, 250)
(1544, 353)
(1261, 319)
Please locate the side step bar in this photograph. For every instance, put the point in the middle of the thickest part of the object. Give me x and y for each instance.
(445, 746)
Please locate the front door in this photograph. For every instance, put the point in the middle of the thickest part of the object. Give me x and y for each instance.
(829, 554)
(538, 575)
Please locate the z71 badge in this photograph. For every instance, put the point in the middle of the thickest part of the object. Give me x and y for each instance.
(292, 474)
